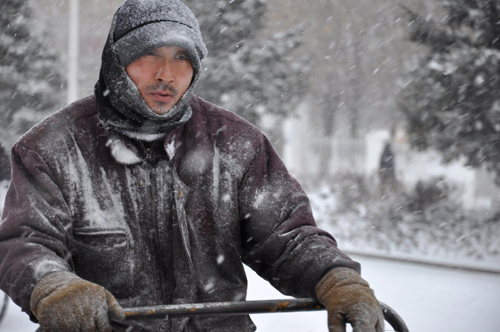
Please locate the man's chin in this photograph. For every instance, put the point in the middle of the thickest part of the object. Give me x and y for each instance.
(161, 109)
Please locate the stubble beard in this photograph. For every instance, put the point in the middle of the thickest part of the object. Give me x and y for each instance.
(159, 107)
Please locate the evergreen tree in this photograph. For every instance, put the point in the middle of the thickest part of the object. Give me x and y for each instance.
(4, 164)
(452, 102)
(247, 73)
(30, 86)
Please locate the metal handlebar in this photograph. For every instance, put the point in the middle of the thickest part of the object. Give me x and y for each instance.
(244, 308)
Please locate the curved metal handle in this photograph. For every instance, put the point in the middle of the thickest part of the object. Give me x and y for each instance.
(393, 318)
(244, 308)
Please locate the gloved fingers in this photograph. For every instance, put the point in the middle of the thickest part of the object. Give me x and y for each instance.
(378, 318)
(102, 312)
(367, 319)
(336, 323)
(366, 323)
(102, 323)
(88, 325)
(115, 311)
(380, 325)
(58, 321)
(362, 326)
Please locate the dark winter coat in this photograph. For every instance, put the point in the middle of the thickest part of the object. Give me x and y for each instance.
(72, 206)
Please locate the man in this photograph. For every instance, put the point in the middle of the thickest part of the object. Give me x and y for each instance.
(145, 194)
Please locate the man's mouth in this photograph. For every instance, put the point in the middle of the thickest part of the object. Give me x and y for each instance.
(162, 96)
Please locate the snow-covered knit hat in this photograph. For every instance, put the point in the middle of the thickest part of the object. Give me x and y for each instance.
(145, 25)
(139, 27)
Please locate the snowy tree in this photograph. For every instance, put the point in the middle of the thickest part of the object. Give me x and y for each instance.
(452, 102)
(248, 73)
(30, 86)
(4, 164)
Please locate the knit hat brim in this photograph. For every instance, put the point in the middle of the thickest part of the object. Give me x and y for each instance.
(150, 37)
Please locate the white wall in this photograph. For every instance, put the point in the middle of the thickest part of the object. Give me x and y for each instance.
(475, 188)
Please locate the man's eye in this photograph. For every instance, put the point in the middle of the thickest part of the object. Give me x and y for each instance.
(182, 57)
(152, 53)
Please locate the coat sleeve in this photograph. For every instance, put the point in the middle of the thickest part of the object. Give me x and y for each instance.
(33, 229)
(280, 239)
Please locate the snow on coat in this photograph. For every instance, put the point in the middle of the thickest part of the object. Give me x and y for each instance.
(75, 205)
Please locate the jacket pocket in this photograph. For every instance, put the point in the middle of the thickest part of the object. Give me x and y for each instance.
(240, 323)
(105, 238)
(102, 256)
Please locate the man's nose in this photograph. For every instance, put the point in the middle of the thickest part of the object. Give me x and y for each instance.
(164, 72)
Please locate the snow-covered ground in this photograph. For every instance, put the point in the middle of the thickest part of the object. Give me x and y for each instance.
(430, 299)
(449, 236)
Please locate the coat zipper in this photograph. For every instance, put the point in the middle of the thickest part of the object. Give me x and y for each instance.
(154, 225)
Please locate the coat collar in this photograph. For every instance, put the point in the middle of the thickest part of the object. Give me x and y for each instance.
(125, 152)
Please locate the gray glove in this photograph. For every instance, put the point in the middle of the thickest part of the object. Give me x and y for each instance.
(348, 298)
(64, 302)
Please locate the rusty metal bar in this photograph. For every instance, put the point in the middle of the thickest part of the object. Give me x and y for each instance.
(244, 308)
(222, 308)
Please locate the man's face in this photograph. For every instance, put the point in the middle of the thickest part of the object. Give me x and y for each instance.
(162, 77)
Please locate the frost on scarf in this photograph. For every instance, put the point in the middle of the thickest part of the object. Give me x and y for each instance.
(121, 153)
